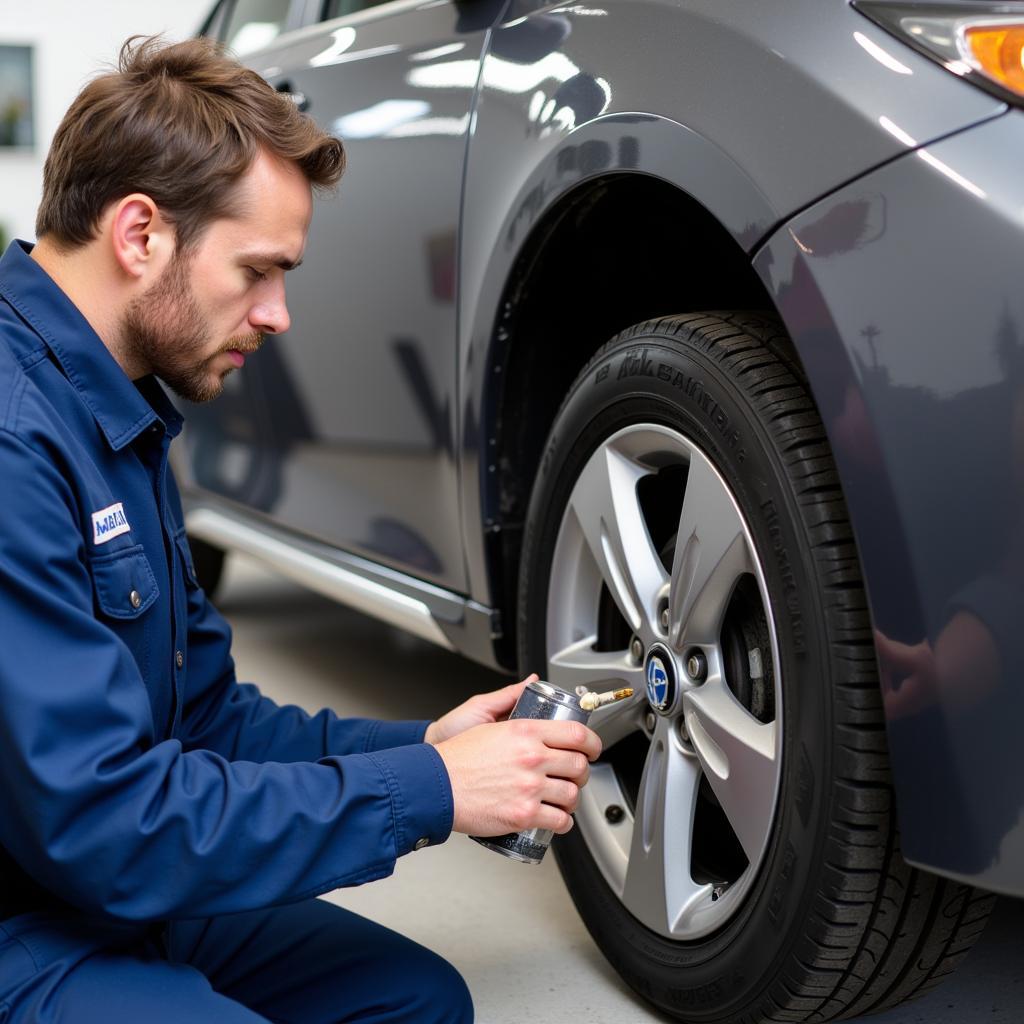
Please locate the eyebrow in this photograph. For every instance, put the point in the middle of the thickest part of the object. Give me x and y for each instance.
(274, 259)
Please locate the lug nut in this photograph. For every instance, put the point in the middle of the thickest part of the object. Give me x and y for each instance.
(697, 666)
(663, 619)
(650, 721)
(636, 649)
(614, 813)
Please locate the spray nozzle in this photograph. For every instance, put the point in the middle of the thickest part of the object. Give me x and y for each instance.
(592, 701)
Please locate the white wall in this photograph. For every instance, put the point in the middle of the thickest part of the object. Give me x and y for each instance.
(72, 41)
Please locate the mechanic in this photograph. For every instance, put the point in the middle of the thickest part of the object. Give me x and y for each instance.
(164, 829)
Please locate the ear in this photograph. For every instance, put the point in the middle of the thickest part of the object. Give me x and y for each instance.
(142, 241)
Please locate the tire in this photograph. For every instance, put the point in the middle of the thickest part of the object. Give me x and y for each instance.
(209, 564)
(735, 855)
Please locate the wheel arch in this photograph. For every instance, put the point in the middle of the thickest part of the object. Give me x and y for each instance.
(591, 246)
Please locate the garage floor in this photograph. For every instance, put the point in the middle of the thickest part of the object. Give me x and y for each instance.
(509, 928)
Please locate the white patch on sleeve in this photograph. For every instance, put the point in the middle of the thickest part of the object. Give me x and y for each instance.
(108, 523)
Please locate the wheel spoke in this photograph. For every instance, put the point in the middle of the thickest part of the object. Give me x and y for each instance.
(605, 503)
(580, 665)
(608, 842)
(658, 888)
(711, 554)
(739, 757)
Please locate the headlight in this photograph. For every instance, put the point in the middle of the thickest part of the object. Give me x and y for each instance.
(980, 41)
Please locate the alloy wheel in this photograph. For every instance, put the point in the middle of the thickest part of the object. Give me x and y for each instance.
(654, 558)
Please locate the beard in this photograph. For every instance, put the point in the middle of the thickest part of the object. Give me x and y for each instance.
(165, 330)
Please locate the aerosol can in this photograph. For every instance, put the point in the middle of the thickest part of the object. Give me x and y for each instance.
(544, 701)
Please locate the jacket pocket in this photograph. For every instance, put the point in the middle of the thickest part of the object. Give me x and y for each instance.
(185, 554)
(124, 582)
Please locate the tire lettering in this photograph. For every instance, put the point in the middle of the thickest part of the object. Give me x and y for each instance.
(635, 364)
(804, 786)
(791, 596)
(780, 893)
(705, 995)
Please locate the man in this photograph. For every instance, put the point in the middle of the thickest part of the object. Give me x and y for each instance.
(163, 829)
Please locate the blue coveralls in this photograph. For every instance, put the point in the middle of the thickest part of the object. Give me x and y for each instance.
(163, 828)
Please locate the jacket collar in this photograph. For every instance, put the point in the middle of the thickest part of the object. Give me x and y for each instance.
(122, 409)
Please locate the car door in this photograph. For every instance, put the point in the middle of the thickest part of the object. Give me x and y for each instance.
(362, 399)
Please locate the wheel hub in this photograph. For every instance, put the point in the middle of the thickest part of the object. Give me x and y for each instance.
(662, 679)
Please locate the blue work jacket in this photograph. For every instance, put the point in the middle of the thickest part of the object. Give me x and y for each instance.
(138, 779)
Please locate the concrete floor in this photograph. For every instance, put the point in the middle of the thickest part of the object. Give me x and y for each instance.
(510, 929)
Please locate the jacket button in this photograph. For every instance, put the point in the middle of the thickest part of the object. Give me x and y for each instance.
(179, 658)
(420, 843)
(135, 599)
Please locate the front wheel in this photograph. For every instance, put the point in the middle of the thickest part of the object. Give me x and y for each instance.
(736, 855)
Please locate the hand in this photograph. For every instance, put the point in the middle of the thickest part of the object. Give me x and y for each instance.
(960, 671)
(521, 774)
(479, 710)
(908, 675)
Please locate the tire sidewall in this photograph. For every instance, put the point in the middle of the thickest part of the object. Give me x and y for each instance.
(649, 377)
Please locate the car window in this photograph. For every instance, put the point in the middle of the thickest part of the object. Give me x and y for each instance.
(339, 8)
(211, 27)
(253, 24)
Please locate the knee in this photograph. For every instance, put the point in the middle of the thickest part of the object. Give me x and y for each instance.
(438, 993)
(454, 1004)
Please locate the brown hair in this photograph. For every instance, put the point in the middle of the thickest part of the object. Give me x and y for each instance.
(180, 123)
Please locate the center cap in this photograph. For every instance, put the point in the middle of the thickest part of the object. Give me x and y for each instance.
(661, 678)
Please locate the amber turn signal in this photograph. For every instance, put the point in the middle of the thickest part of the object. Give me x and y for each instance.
(998, 52)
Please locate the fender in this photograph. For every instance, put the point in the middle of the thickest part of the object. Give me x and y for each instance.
(683, 92)
(495, 233)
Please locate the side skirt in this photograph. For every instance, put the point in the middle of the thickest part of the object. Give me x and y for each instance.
(432, 613)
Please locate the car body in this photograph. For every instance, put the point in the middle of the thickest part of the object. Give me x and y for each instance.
(527, 179)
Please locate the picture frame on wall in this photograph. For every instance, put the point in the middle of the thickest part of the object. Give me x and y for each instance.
(16, 98)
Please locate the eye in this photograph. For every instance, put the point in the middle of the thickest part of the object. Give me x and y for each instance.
(255, 274)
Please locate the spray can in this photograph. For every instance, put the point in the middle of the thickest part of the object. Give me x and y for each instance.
(543, 701)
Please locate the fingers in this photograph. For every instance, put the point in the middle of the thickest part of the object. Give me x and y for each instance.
(568, 736)
(553, 819)
(900, 657)
(561, 794)
(545, 805)
(498, 704)
(513, 690)
(568, 764)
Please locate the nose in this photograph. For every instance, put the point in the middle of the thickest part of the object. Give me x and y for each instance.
(270, 315)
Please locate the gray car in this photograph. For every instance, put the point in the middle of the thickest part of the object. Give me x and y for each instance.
(679, 344)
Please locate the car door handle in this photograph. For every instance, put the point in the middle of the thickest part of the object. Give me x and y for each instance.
(300, 99)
